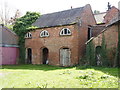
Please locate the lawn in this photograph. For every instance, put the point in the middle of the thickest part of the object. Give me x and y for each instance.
(45, 76)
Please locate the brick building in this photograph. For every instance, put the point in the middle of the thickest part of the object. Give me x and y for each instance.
(60, 37)
(110, 14)
(110, 34)
(108, 27)
(103, 19)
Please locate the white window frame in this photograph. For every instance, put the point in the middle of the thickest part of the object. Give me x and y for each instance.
(62, 32)
(28, 35)
(44, 33)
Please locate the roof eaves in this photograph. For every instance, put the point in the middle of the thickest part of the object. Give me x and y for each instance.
(90, 40)
(57, 25)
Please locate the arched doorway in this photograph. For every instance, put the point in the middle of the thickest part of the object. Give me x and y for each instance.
(65, 54)
(98, 55)
(45, 53)
(29, 56)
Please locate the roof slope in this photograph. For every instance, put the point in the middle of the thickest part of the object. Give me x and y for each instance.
(7, 36)
(100, 17)
(59, 18)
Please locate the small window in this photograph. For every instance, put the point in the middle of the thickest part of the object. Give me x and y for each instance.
(44, 34)
(65, 31)
(28, 35)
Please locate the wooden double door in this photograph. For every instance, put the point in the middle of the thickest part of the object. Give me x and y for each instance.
(65, 57)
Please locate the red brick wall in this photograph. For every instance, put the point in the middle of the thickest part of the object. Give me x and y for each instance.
(54, 42)
(76, 42)
(111, 37)
(113, 12)
(96, 29)
(111, 40)
(87, 20)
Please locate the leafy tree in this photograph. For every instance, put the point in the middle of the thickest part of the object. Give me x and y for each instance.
(21, 27)
(96, 12)
(13, 19)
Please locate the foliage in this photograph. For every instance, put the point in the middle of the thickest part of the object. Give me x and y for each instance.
(90, 54)
(31, 28)
(96, 12)
(45, 76)
(21, 27)
(104, 57)
(118, 47)
(117, 56)
(9, 27)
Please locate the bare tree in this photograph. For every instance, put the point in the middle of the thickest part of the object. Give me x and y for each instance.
(4, 13)
(13, 19)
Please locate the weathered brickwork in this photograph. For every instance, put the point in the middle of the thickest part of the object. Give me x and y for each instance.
(113, 12)
(55, 42)
(111, 37)
(111, 41)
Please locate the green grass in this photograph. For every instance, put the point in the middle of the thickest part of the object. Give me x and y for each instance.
(45, 76)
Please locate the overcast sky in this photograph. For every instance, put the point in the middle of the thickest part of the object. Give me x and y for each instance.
(49, 6)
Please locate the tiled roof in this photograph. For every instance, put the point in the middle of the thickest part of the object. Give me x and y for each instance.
(59, 18)
(100, 17)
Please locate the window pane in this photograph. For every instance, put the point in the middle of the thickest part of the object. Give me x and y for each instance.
(68, 31)
(41, 34)
(62, 32)
(30, 35)
(44, 33)
(65, 31)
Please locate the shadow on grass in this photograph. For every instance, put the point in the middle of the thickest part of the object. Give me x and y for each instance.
(107, 70)
(33, 67)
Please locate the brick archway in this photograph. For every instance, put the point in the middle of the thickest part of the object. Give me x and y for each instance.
(29, 56)
(45, 54)
(98, 55)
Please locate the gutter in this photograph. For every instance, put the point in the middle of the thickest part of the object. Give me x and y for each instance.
(8, 45)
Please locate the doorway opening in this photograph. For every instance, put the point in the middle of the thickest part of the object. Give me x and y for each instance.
(65, 54)
(89, 33)
(98, 55)
(29, 56)
(45, 53)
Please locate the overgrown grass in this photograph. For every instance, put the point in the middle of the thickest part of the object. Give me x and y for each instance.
(45, 76)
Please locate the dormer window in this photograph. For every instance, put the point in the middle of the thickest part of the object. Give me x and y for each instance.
(65, 31)
(44, 34)
(28, 35)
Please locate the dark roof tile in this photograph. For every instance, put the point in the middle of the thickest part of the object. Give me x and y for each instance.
(59, 18)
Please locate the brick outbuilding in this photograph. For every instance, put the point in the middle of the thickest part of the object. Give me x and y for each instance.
(110, 34)
(60, 37)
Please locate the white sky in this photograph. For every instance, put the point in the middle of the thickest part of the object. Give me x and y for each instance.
(49, 6)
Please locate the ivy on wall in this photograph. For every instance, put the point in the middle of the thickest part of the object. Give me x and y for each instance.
(90, 54)
(117, 56)
(21, 27)
(104, 58)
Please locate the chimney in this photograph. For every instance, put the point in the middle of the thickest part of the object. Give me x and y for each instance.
(109, 6)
